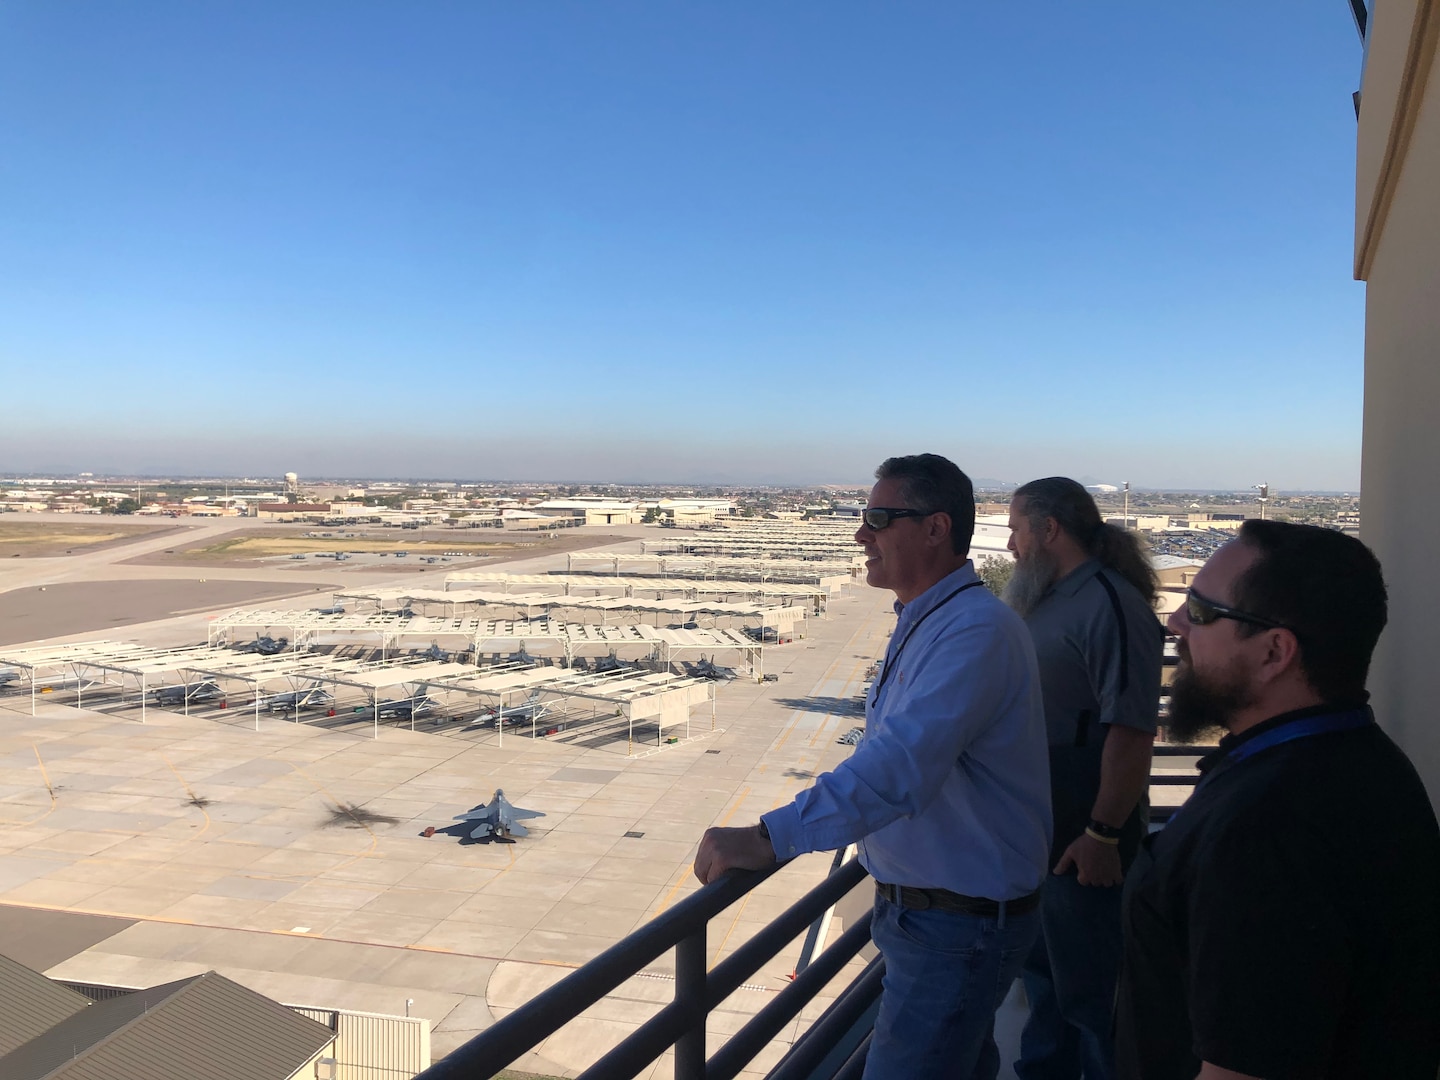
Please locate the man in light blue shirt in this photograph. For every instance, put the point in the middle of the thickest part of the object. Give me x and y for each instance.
(948, 795)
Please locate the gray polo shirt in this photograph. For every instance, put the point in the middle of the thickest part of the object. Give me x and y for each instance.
(1096, 668)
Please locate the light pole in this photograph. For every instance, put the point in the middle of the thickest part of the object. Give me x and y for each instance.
(1127, 503)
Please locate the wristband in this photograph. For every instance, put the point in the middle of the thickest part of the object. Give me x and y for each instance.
(1109, 832)
(1109, 841)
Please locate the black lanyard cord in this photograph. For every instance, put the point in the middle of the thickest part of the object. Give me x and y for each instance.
(890, 663)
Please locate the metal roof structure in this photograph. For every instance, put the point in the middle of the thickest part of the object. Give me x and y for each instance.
(635, 695)
(528, 605)
(629, 586)
(395, 599)
(744, 547)
(809, 572)
(783, 618)
(31, 1004)
(483, 635)
(83, 664)
(205, 1027)
(306, 626)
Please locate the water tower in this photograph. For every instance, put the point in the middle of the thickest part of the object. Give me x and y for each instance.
(292, 488)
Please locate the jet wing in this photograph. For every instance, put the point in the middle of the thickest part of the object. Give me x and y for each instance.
(516, 812)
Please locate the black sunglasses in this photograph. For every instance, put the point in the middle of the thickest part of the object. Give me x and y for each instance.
(880, 517)
(1203, 612)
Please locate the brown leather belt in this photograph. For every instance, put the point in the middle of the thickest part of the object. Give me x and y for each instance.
(945, 900)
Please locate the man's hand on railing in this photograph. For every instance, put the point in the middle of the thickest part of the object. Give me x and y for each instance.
(732, 849)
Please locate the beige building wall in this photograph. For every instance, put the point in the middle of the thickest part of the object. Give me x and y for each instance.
(1398, 255)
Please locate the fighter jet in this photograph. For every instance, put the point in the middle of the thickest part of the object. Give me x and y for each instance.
(310, 698)
(530, 709)
(265, 645)
(411, 708)
(610, 663)
(499, 819)
(706, 669)
(8, 675)
(208, 690)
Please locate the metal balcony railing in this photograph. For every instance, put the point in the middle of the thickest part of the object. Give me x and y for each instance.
(832, 1048)
(680, 1024)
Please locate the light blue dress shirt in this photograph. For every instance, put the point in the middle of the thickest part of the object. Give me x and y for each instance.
(950, 788)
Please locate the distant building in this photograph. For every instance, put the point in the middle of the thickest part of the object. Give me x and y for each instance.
(593, 510)
(292, 511)
(1141, 522)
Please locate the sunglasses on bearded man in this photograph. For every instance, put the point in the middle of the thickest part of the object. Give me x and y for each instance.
(1202, 612)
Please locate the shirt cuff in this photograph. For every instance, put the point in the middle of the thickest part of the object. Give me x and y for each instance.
(785, 832)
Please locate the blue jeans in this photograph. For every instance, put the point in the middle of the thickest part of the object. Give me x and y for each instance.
(1070, 979)
(945, 975)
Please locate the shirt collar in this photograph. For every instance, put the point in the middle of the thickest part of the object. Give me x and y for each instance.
(1230, 742)
(1070, 584)
(927, 600)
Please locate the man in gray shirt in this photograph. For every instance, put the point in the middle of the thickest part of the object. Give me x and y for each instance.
(1086, 591)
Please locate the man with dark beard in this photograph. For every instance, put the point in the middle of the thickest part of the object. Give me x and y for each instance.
(1283, 924)
(1085, 590)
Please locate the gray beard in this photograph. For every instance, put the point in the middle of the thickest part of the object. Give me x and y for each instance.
(1031, 580)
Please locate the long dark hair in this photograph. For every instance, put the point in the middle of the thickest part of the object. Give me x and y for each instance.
(1075, 512)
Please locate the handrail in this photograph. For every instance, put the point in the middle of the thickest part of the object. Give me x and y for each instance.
(682, 1023)
(666, 1027)
(742, 1047)
(835, 1023)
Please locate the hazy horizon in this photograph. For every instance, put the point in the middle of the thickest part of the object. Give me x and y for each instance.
(682, 245)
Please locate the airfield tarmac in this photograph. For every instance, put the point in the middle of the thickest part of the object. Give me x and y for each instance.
(291, 860)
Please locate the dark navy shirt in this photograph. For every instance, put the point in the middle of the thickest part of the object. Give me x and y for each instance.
(1284, 924)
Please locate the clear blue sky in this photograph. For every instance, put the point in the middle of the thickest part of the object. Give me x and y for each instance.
(668, 241)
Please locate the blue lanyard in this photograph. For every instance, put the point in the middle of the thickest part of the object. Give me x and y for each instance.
(1296, 729)
(893, 658)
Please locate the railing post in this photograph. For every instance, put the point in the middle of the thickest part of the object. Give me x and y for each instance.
(690, 996)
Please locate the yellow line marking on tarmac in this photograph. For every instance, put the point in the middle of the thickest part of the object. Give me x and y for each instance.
(685, 873)
(843, 693)
(799, 713)
(195, 800)
(49, 787)
(734, 809)
(739, 910)
(174, 920)
(779, 801)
